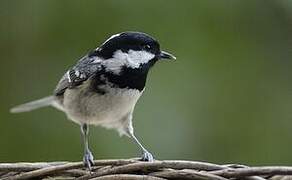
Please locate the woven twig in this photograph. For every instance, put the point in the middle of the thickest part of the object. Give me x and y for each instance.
(133, 169)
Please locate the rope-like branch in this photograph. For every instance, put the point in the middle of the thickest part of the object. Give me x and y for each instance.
(255, 171)
(134, 169)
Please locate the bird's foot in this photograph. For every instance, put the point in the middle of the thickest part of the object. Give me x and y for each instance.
(147, 156)
(88, 160)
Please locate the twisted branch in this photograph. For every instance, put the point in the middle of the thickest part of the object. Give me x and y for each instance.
(134, 169)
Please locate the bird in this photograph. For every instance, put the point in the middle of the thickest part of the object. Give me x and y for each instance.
(103, 87)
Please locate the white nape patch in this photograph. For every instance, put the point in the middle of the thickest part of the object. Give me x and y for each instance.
(132, 59)
(113, 36)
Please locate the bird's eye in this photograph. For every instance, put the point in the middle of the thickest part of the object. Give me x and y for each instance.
(147, 47)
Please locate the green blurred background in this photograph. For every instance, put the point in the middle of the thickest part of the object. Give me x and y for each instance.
(227, 98)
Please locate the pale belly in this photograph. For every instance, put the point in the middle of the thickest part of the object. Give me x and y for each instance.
(84, 106)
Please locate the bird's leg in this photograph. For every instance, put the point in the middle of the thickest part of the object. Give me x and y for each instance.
(146, 155)
(129, 131)
(88, 157)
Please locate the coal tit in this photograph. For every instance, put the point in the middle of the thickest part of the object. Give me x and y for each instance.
(104, 86)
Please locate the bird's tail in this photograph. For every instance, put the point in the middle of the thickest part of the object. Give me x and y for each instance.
(46, 101)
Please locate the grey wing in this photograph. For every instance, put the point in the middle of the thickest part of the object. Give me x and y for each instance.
(62, 85)
(84, 69)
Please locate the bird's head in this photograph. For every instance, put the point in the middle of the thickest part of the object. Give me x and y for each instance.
(130, 50)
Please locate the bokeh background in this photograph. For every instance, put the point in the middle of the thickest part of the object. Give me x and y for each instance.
(227, 98)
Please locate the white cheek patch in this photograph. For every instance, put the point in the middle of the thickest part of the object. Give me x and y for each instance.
(132, 59)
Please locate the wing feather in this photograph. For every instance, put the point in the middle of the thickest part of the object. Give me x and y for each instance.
(84, 69)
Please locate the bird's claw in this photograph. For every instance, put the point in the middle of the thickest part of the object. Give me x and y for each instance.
(88, 160)
(147, 156)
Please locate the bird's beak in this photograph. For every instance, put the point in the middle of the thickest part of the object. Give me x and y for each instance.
(166, 55)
